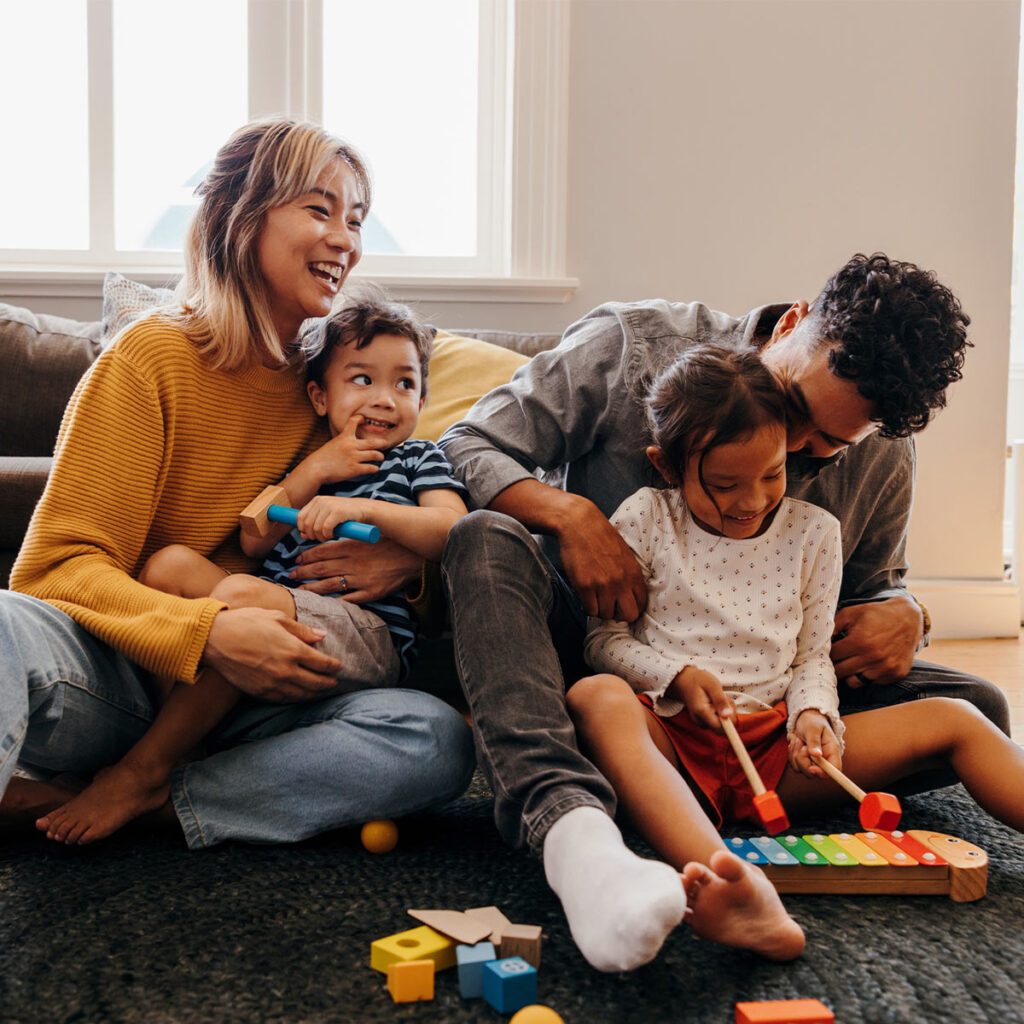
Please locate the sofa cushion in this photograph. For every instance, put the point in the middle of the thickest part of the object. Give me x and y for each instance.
(461, 371)
(41, 360)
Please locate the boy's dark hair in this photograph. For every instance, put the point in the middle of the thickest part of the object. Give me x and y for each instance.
(710, 396)
(358, 323)
(898, 333)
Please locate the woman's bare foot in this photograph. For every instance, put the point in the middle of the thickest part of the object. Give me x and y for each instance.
(734, 903)
(26, 799)
(117, 795)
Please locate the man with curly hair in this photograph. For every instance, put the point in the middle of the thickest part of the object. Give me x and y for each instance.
(554, 453)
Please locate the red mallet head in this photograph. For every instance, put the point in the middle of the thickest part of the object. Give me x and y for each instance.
(880, 811)
(771, 812)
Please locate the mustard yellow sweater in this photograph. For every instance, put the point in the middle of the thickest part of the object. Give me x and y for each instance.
(156, 448)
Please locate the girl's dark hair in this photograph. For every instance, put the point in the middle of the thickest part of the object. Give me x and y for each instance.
(710, 396)
(358, 323)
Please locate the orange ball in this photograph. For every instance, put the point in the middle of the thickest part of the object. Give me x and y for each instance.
(380, 836)
(536, 1014)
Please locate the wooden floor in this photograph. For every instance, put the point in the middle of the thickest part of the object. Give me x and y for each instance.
(1000, 661)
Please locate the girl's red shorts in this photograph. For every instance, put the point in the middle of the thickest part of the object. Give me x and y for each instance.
(709, 759)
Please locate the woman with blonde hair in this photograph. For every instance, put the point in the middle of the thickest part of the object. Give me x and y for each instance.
(174, 429)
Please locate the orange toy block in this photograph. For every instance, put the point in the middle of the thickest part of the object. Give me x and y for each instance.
(411, 981)
(522, 940)
(771, 812)
(785, 1011)
(880, 811)
(253, 518)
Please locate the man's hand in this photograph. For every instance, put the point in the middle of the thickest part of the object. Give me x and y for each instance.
(369, 571)
(601, 567)
(812, 734)
(703, 696)
(876, 642)
(268, 655)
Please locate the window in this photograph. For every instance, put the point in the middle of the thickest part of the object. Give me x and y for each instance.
(458, 106)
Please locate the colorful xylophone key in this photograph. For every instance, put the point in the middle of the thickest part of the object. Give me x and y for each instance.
(915, 862)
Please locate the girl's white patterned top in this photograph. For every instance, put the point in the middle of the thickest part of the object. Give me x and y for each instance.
(756, 613)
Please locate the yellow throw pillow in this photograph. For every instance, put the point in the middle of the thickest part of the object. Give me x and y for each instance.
(461, 371)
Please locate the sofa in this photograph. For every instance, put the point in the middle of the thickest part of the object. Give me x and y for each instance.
(42, 358)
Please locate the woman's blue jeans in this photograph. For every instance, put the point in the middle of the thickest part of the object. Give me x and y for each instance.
(276, 773)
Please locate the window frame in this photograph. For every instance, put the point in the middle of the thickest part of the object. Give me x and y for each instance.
(523, 120)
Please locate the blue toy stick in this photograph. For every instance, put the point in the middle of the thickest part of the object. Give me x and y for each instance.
(343, 531)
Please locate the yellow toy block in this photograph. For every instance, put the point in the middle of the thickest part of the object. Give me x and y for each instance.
(409, 981)
(416, 944)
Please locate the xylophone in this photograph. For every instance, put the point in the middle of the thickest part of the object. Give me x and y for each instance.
(914, 862)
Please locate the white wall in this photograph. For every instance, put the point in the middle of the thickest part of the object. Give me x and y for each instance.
(738, 151)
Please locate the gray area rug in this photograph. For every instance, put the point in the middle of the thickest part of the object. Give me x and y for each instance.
(137, 929)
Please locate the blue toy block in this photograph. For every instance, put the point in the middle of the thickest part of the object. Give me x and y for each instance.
(510, 984)
(471, 960)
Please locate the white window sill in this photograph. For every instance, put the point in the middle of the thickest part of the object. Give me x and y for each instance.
(78, 282)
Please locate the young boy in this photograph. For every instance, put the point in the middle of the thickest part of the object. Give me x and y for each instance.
(367, 374)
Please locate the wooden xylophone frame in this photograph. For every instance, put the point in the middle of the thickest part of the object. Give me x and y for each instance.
(962, 873)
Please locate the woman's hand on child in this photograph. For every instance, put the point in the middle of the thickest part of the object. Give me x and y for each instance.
(703, 696)
(268, 655)
(346, 455)
(812, 734)
(370, 571)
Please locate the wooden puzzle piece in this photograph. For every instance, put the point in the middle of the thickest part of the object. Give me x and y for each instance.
(456, 925)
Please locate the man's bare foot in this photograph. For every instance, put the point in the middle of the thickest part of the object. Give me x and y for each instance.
(734, 903)
(26, 799)
(117, 795)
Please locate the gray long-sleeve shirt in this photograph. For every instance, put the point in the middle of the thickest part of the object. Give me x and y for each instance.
(575, 414)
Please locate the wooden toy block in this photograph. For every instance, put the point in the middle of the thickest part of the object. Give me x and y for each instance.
(471, 960)
(456, 925)
(509, 984)
(785, 1011)
(522, 940)
(416, 944)
(253, 518)
(410, 981)
(380, 836)
(918, 862)
(494, 917)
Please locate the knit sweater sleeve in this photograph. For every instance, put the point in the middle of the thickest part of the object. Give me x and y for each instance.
(87, 534)
(813, 682)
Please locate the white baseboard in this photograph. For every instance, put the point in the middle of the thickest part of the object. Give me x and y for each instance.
(970, 609)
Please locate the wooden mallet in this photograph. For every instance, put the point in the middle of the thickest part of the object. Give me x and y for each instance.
(877, 810)
(766, 801)
(270, 506)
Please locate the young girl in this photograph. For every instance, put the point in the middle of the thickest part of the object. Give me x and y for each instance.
(742, 585)
(178, 424)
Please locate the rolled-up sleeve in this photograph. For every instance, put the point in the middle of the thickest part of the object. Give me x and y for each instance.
(551, 413)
